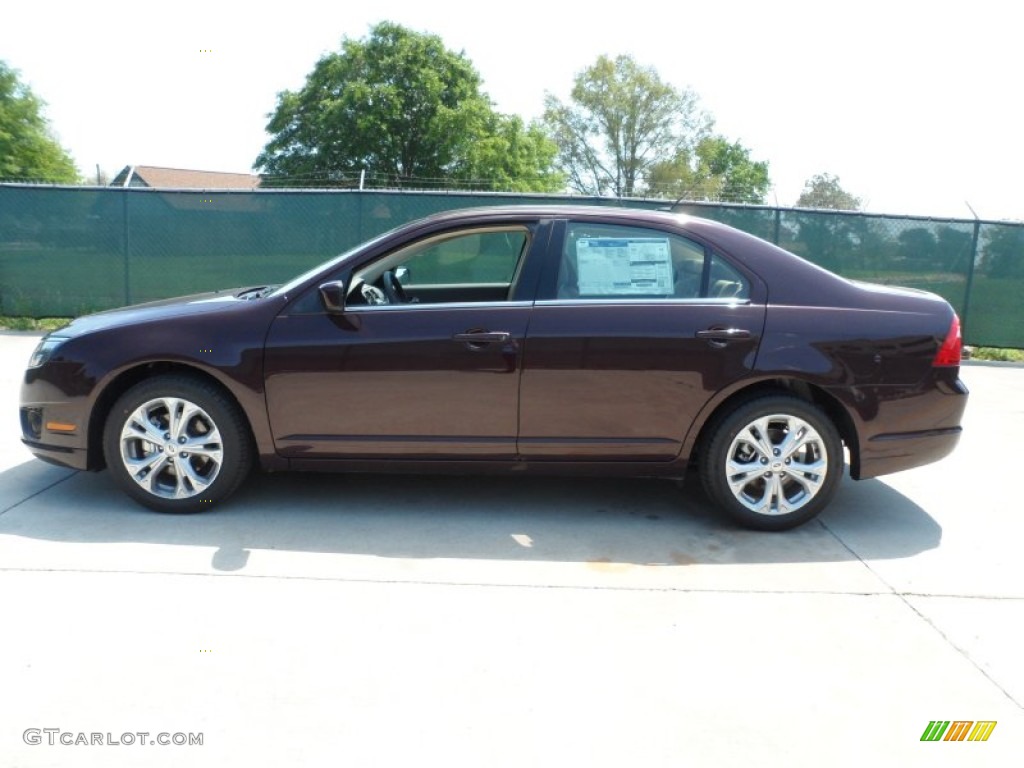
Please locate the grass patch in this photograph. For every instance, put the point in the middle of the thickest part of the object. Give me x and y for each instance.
(33, 323)
(998, 354)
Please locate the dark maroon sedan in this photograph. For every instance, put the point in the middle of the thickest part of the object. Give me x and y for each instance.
(552, 339)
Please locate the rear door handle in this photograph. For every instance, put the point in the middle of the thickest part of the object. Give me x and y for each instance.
(724, 334)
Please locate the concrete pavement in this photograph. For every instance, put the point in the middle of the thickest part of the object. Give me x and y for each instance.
(369, 621)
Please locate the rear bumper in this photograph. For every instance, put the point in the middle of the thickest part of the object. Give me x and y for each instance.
(884, 454)
(923, 427)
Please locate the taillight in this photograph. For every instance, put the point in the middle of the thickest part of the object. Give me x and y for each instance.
(949, 352)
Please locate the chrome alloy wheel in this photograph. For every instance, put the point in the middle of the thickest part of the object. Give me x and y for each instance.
(171, 448)
(776, 464)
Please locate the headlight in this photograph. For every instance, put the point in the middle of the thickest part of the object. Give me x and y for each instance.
(45, 350)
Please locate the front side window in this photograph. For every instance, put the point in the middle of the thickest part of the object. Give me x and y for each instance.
(602, 261)
(478, 257)
(478, 265)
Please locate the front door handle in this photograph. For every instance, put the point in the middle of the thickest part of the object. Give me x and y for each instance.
(724, 334)
(479, 338)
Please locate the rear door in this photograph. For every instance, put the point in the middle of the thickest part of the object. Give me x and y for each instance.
(636, 330)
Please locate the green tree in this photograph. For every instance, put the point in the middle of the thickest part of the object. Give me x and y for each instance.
(920, 247)
(953, 249)
(1004, 250)
(833, 240)
(824, 191)
(829, 239)
(621, 119)
(714, 170)
(510, 156)
(27, 148)
(401, 106)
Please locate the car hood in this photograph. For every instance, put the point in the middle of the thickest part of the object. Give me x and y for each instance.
(153, 311)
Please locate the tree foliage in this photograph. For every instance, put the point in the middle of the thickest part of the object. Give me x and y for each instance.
(399, 105)
(831, 240)
(27, 148)
(620, 120)
(953, 248)
(919, 244)
(824, 191)
(1004, 251)
(510, 156)
(715, 170)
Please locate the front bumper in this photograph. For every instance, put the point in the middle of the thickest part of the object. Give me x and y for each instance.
(64, 456)
(54, 419)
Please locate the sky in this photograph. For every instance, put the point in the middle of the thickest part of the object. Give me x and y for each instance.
(915, 106)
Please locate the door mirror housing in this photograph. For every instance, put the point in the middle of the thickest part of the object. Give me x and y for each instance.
(332, 296)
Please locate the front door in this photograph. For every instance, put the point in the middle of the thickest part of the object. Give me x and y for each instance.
(431, 373)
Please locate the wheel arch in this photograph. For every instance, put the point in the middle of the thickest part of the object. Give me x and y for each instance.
(805, 390)
(127, 379)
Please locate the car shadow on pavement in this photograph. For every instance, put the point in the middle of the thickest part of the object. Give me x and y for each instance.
(589, 520)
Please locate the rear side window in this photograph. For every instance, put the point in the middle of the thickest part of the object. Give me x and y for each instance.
(724, 282)
(601, 261)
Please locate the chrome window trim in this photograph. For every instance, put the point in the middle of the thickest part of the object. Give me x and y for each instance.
(723, 302)
(358, 309)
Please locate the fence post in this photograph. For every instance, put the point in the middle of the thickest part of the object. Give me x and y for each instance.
(775, 234)
(970, 278)
(124, 246)
(360, 214)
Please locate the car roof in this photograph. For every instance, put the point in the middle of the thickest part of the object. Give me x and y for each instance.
(713, 230)
(716, 233)
(560, 211)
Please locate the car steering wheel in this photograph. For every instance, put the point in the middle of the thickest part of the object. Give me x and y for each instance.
(393, 289)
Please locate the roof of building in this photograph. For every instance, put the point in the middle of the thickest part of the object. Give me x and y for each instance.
(181, 178)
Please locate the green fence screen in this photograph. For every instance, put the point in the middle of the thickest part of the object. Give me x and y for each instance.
(66, 251)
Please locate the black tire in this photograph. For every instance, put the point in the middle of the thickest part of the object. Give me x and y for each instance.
(772, 495)
(170, 477)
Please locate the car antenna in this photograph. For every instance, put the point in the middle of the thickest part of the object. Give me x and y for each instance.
(671, 208)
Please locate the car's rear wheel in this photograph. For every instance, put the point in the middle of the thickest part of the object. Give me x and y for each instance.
(772, 463)
(177, 444)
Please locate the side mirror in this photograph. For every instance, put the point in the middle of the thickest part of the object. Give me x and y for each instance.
(401, 274)
(332, 296)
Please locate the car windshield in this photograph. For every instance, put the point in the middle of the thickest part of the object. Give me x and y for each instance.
(295, 282)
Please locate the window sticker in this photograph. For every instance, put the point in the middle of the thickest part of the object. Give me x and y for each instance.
(624, 266)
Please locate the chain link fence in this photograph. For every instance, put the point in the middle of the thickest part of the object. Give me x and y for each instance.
(65, 251)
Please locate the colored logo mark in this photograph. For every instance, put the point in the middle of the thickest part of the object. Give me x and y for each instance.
(958, 730)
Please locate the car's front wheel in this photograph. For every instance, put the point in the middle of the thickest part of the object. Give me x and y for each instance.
(176, 443)
(772, 463)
